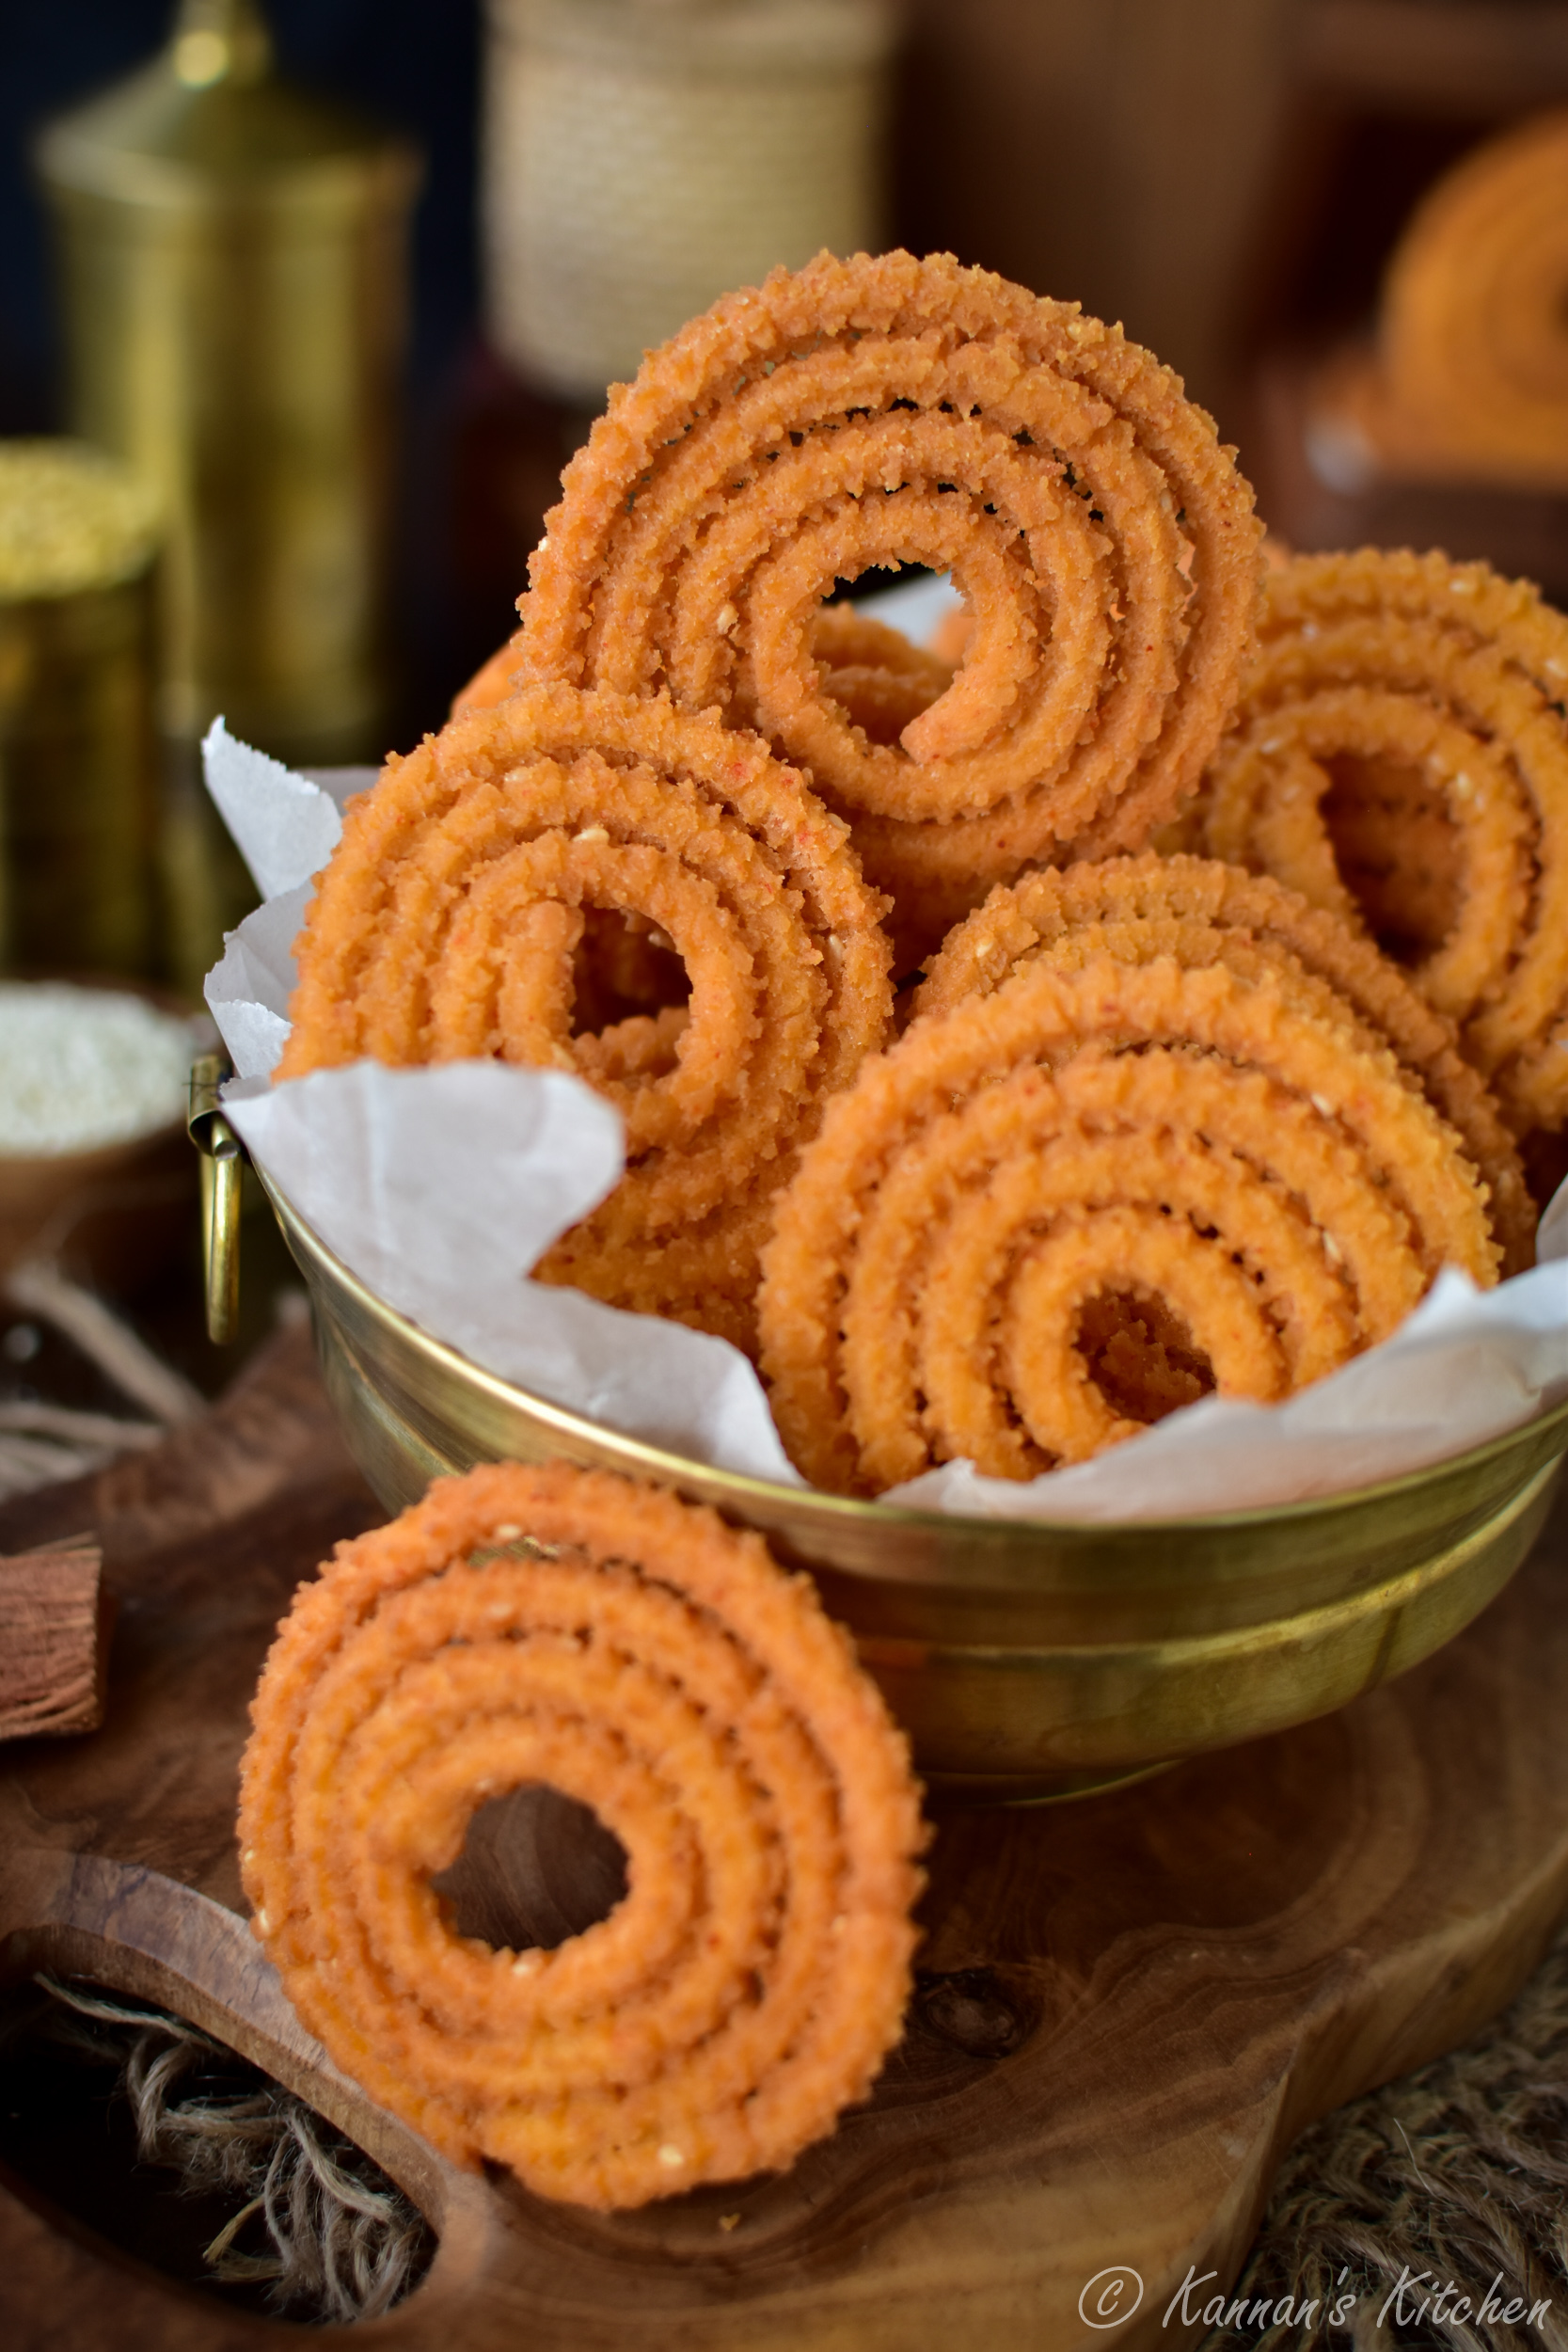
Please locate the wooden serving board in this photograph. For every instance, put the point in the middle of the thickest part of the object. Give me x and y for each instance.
(1131, 2005)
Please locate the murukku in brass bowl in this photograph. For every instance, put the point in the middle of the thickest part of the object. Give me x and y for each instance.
(1026, 1661)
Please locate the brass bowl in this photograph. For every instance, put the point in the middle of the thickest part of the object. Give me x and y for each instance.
(1026, 1661)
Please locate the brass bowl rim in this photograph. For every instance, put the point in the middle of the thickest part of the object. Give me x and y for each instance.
(676, 1468)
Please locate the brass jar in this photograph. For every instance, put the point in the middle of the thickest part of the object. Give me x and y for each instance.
(233, 253)
(78, 537)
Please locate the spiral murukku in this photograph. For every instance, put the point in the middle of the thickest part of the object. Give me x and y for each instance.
(1400, 758)
(1467, 380)
(882, 411)
(1221, 1160)
(1473, 360)
(1201, 911)
(549, 1625)
(871, 670)
(451, 920)
(876, 676)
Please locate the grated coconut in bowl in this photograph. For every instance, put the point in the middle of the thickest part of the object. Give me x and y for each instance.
(81, 1067)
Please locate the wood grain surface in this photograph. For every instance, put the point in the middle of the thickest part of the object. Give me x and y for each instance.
(1128, 2006)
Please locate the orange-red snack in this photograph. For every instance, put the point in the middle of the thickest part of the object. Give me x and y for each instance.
(1400, 758)
(622, 967)
(569, 1626)
(877, 679)
(1203, 910)
(871, 670)
(882, 411)
(492, 683)
(451, 920)
(1216, 1167)
(1471, 327)
(1467, 381)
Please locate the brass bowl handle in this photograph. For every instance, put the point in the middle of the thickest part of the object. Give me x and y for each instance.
(222, 1160)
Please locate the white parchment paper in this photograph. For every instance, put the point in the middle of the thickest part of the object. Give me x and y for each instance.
(441, 1187)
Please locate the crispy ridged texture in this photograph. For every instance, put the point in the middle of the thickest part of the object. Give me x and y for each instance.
(1138, 908)
(569, 1626)
(887, 410)
(1457, 678)
(873, 672)
(877, 679)
(448, 923)
(1228, 1148)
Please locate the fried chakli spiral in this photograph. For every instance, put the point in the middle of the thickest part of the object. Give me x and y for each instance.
(494, 682)
(569, 1626)
(1469, 380)
(1472, 338)
(1440, 687)
(883, 411)
(1229, 1147)
(863, 661)
(451, 917)
(878, 679)
(1200, 910)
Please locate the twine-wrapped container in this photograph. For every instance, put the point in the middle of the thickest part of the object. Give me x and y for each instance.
(641, 156)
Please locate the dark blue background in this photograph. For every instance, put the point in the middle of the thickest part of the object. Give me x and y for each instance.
(412, 62)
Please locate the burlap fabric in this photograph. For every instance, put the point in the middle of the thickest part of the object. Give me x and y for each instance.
(1454, 2177)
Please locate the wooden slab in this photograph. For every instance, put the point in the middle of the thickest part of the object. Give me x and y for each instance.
(1131, 2005)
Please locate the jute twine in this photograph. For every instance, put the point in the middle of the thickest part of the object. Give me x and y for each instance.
(644, 156)
(339, 2242)
(43, 1444)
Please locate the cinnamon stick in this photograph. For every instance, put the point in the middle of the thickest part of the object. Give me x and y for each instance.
(53, 1639)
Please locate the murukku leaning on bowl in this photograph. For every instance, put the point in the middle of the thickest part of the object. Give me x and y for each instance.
(1026, 1661)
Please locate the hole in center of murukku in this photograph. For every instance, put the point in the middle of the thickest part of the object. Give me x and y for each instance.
(1397, 852)
(879, 698)
(536, 1868)
(852, 587)
(1141, 1356)
(624, 967)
